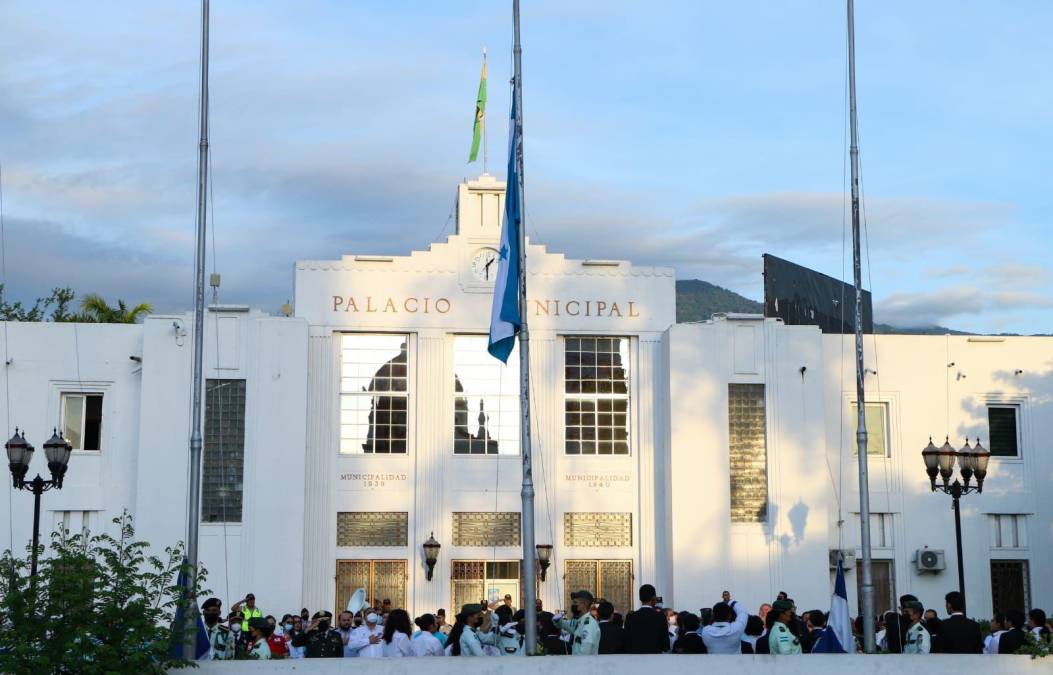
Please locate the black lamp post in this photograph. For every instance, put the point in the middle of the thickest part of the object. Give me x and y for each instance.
(431, 554)
(19, 453)
(972, 463)
(544, 558)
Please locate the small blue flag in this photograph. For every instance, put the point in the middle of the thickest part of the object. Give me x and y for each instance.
(505, 315)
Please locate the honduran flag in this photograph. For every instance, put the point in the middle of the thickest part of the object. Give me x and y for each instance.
(505, 316)
(837, 638)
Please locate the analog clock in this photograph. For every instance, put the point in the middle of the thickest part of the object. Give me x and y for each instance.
(484, 264)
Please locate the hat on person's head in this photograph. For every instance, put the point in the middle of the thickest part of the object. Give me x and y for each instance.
(372, 618)
(210, 603)
(471, 608)
(914, 605)
(582, 595)
(780, 606)
(322, 614)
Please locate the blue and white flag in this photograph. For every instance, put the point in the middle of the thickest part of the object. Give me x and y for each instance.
(837, 638)
(505, 316)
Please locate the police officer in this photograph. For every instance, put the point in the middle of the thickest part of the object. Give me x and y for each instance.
(584, 630)
(781, 640)
(918, 640)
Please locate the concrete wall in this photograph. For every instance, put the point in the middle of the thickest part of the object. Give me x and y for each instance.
(709, 552)
(826, 664)
(927, 398)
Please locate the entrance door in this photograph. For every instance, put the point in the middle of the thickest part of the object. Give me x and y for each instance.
(382, 579)
(883, 575)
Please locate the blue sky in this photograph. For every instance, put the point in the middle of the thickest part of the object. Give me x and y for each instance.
(693, 134)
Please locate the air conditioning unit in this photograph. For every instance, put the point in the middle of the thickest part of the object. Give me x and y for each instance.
(929, 560)
(849, 557)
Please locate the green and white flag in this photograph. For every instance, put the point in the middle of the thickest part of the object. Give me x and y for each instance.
(480, 113)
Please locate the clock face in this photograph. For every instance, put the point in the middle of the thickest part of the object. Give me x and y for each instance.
(484, 265)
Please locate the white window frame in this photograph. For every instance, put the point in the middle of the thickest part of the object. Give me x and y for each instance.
(409, 394)
(63, 395)
(630, 396)
(1018, 409)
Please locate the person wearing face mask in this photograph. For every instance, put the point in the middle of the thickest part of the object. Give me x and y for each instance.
(292, 627)
(277, 640)
(584, 630)
(368, 640)
(218, 634)
(465, 639)
(235, 640)
(319, 640)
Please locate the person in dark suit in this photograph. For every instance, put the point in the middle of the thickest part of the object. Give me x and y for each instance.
(612, 636)
(646, 629)
(958, 633)
(1013, 638)
(689, 641)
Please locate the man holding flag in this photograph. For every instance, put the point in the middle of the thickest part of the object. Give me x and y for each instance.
(837, 638)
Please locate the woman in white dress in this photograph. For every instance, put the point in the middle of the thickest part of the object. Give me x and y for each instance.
(424, 641)
(397, 631)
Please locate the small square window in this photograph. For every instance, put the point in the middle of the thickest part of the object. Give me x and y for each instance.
(82, 420)
(1002, 424)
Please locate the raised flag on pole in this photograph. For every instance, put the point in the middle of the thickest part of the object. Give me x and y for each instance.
(837, 638)
(505, 317)
(480, 114)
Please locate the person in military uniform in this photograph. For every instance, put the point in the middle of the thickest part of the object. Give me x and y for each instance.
(221, 644)
(319, 639)
(781, 639)
(918, 640)
(584, 630)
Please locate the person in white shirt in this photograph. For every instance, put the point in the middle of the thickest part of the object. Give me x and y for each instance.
(997, 628)
(397, 630)
(424, 641)
(368, 639)
(724, 636)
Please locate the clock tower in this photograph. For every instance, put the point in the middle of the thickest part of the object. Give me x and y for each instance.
(480, 208)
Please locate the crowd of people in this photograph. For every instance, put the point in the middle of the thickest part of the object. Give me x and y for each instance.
(591, 626)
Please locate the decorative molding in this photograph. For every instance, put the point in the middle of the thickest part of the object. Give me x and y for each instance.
(372, 528)
(486, 528)
(596, 528)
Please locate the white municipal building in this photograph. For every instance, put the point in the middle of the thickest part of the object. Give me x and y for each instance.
(696, 457)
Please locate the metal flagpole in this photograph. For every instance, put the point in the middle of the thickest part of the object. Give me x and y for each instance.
(486, 148)
(194, 492)
(527, 492)
(866, 601)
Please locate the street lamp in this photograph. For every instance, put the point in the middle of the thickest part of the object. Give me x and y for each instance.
(544, 558)
(972, 463)
(19, 453)
(431, 554)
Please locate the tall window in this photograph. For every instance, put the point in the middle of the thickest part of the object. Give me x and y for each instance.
(877, 429)
(82, 420)
(596, 404)
(485, 399)
(748, 453)
(1002, 422)
(223, 458)
(374, 397)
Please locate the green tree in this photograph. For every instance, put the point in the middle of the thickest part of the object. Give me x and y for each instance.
(98, 605)
(95, 309)
(58, 301)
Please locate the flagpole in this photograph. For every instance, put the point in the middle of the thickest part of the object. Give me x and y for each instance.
(527, 491)
(866, 583)
(486, 152)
